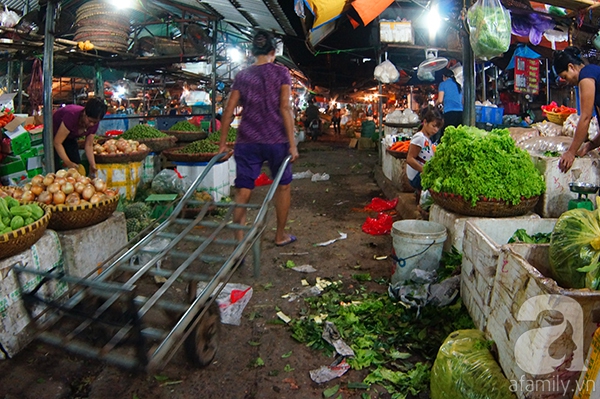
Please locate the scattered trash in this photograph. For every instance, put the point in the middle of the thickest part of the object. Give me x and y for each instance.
(160, 279)
(293, 385)
(319, 177)
(303, 293)
(419, 276)
(327, 373)
(333, 337)
(340, 203)
(379, 226)
(304, 269)
(232, 300)
(286, 319)
(149, 251)
(304, 283)
(444, 293)
(342, 236)
(302, 175)
(384, 257)
(380, 205)
(262, 180)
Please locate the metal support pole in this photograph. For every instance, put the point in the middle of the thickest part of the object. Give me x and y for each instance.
(98, 82)
(469, 81)
(9, 75)
(496, 94)
(20, 89)
(483, 83)
(547, 81)
(213, 79)
(48, 65)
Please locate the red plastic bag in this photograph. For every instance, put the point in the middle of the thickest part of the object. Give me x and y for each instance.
(380, 226)
(380, 205)
(262, 180)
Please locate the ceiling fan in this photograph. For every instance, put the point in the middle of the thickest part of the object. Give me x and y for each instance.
(431, 64)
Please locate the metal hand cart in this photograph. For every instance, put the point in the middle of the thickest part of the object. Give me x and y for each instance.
(118, 313)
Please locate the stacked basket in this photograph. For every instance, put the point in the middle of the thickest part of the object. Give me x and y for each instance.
(103, 25)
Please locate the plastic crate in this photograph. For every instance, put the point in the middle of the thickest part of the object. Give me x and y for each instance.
(491, 115)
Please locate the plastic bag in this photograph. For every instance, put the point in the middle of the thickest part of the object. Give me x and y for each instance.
(490, 29)
(543, 144)
(386, 72)
(521, 134)
(548, 129)
(575, 244)
(9, 19)
(232, 301)
(465, 368)
(379, 226)
(380, 205)
(568, 128)
(262, 180)
(168, 181)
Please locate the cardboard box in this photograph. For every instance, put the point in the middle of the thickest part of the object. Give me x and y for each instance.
(19, 140)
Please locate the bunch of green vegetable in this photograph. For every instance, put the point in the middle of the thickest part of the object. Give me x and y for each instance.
(474, 163)
(521, 236)
(396, 345)
(231, 135)
(13, 215)
(200, 147)
(185, 126)
(490, 29)
(139, 132)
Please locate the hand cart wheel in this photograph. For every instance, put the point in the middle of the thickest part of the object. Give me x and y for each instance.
(202, 343)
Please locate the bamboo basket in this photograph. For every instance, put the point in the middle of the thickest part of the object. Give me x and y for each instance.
(66, 217)
(159, 144)
(559, 119)
(174, 155)
(397, 154)
(21, 239)
(186, 136)
(484, 208)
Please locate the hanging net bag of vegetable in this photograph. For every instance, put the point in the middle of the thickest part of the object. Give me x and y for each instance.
(36, 87)
(489, 29)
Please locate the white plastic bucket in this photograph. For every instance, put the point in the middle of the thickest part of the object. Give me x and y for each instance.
(417, 244)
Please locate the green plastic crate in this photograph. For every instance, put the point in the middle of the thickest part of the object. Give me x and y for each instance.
(11, 165)
(162, 204)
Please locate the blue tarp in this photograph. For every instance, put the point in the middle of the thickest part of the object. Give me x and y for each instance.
(522, 50)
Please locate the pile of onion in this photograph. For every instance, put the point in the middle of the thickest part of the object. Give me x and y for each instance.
(120, 146)
(66, 186)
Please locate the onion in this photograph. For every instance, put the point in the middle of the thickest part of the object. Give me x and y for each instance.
(54, 188)
(85, 180)
(67, 188)
(60, 180)
(79, 186)
(48, 180)
(73, 199)
(45, 198)
(99, 184)
(28, 196)
(37, 189)
(27, 187)
(84, 202)
(71, 180)
(88, 192)
(61, 173)
(37, 179)
(3, 194)
(59, 198)
(76, 175)
(109, 192)
(71, 172)
(96, 198)
(18, 193)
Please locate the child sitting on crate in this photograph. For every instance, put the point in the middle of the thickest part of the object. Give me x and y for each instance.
(421, 147)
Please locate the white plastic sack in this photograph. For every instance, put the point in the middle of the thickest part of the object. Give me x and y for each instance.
(386, 72)
(9, 19)
(548, 129)
(232, 301)
(568, 128)
(539, 145)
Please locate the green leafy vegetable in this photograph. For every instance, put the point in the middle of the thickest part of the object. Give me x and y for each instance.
(490, 30)
(473, 163)
(139, 132)
(231, 135)
(551, 154)
(450, 264)
(538, 238)
(329, 392)
(200, 147)
(185, 126)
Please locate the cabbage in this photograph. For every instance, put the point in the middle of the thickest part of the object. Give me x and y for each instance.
(465, 368)
(575, 249)
(490, 29)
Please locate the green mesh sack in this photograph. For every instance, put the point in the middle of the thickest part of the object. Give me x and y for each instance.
(465, 369)
(575, 249)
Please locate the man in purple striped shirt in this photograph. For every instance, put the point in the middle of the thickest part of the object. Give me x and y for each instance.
(266, 131)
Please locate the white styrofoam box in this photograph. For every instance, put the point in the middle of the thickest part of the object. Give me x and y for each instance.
(150, 167)
(483, 241)
(521, 279)
(216, 182)
(232, 170)
(556, 199)
(44, 255)
(395, 170)
(455, 225)
(85, 249)
(396, 32)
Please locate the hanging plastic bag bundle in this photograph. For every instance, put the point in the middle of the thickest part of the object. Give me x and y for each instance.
(386, 72)
(489, 28)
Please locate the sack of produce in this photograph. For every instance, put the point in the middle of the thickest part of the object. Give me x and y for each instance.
(476, 164)
(386, 72)
(568, 128)
(548, 129)
(465, 368)
(575, 249)
(169, 182)
(540, 145)
(521, 134)
(490, 29)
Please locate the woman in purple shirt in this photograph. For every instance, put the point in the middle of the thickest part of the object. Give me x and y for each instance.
(266, 131)
(569, 66)
(71, 122)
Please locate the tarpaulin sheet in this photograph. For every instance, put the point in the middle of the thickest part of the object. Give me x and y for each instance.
(522, 51)
(368, 10)
(325, 10)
